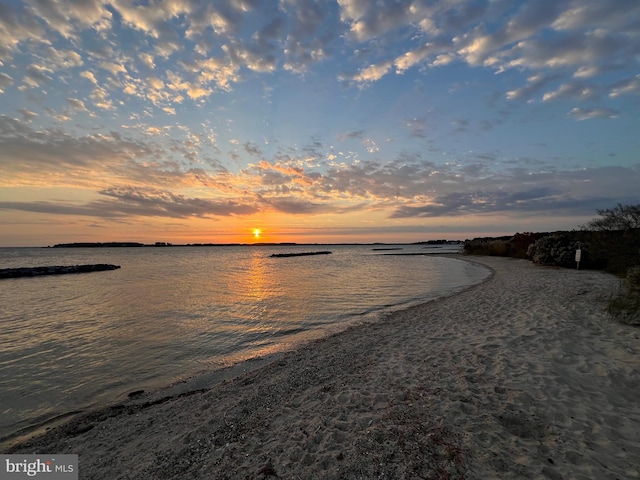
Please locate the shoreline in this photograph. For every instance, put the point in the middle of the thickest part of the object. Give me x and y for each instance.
(520, 375)
(230, 365)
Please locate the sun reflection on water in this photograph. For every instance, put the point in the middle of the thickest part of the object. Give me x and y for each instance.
(174, 311)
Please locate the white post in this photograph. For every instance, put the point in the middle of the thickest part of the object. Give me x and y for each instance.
(578, 255)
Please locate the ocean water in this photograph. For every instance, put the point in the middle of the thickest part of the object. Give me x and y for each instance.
(74, 342)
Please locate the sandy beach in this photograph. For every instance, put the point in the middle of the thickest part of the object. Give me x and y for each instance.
(522, 376)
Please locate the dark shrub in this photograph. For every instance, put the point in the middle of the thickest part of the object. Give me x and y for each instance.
(520, 243)
(493, 246)
(515, 246)
(625, 304)
(558, 249)
(615, 237)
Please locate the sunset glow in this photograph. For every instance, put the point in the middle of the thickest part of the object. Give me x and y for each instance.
(390, 121)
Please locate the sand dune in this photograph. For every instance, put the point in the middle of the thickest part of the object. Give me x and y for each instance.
(523, 376)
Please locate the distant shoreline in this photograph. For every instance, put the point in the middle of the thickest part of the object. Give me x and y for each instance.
(257, 244)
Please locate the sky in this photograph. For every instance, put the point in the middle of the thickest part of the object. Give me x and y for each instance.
(193, 121)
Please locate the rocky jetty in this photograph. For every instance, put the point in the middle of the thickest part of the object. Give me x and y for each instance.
(54, 270)
(298, 254)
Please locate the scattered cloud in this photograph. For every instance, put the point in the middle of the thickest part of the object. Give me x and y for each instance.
(588, 113)
(5, 81)
(77, 104)
(184, 109)
(625, 87)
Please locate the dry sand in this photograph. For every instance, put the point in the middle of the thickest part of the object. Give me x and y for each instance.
(522, 376)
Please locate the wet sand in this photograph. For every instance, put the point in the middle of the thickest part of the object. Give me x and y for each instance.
(522, 376)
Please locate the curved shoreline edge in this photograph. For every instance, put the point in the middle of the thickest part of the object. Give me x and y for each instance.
(200, 381)
(521, 375)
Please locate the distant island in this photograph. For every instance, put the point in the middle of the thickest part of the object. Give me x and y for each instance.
(158, 244)
(98, 244)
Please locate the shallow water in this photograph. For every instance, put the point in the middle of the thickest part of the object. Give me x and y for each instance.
(74, 342)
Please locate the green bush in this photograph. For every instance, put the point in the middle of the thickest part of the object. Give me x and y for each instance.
(558, 249)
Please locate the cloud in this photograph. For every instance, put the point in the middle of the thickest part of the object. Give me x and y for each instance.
(535, 84)
(285, 169)
(158, 203)
(369, 74)
(27, 115)
(89, 76)
(543, 39)
(576, 193)
(368, 19)
(487, 203)
(147, 60)
(36, 75)
(100, 98)
(68, 17)
(250, 57)
(128, 202)
(569, 51)
(572, 90)
(419, 55)
(59, 116)
(139, 178)
(40, 157)
(77, 104)
(416, 127)
(30, 157)
(298, 206)
(61, 59)
(624, 87)
(350, 135)
(5, 81)
(548, 38)
(618, 15)
(150, 18)
(282, 174)
(113, 68)
(18, 25)
(218, 70)
(223, 17)
(311, 32)
(477, 202)
(60, 208)
(595, 112)
(252, 149)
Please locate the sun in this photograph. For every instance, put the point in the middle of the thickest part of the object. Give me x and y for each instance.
(256, 232)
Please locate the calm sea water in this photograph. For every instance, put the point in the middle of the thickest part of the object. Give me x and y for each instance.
(74, 342)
